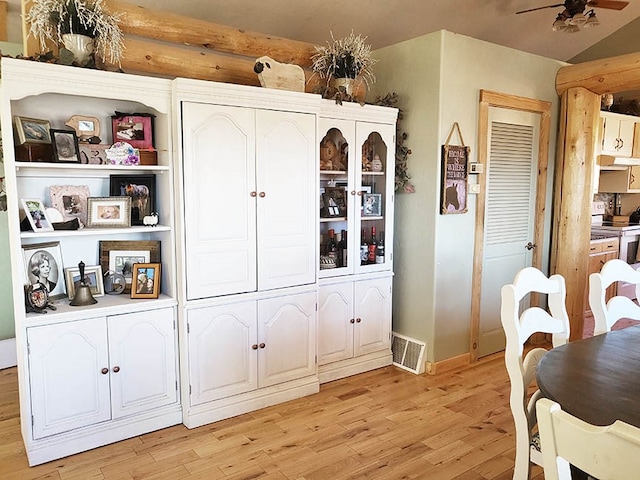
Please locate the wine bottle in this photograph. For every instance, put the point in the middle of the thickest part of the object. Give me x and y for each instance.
(372, 246)
(364, 250)
(342, 249)
(380, 249)
(332, 249)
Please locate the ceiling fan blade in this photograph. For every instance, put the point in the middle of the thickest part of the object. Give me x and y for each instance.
(548, 6)
(610, 4)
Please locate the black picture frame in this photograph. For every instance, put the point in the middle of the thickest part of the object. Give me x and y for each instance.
(141, 189)
(65, 146)
(334, 201)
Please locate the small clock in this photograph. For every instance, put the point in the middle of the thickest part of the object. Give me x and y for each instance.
(114, 283)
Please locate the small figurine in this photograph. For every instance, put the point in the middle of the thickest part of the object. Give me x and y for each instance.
(150, 220)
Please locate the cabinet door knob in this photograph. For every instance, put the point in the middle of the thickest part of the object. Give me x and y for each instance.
(352, 320)
(105, 371)
(116, 369)
(262, 345)
(254, 194)
(360, 193)
(254, 346)
(262, 194)
(353, 192)
(358, 320)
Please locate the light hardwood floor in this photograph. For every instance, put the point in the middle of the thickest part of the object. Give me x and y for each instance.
(387, 424)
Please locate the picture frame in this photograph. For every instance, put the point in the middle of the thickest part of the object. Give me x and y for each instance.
(108, 212)
(371, 204)
(31, 130)
(65, 146)
(35, 212)
(93, 278)
(71, 201)
(84, 126)
(335, 202)
(141, 189)
(120, 255)
(136, 130)
(146, 280)
(35, 257)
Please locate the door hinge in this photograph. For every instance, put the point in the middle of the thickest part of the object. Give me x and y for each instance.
(176, 385)
(188, 328)
(189, 389)
(33, 422)
(175, 324)
(316, 306)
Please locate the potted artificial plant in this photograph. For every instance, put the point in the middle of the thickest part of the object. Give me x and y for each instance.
(341, 61)
(82, 26)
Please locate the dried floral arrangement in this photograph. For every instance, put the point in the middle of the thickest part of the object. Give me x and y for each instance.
(50, 19)
(403, 179)
(344, 58)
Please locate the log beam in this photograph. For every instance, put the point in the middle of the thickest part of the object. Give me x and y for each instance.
(579, 117)
(3, 22)
(168, 27)
(608, 75)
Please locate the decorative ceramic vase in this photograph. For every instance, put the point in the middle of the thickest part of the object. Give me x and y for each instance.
(80, 45)
(347, 85)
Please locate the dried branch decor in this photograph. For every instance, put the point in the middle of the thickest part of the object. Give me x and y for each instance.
(344, 58)
(50, 19)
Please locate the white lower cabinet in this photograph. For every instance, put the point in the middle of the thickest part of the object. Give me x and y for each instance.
(250, 354)
(101, 369)
(354, 327)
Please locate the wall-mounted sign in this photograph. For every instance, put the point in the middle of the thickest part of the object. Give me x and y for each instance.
(455, 160)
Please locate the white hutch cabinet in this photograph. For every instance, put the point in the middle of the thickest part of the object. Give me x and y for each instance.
(90, 375)
(249, 177)
(357, 165)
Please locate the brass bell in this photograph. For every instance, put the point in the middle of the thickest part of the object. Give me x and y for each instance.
(83, 295)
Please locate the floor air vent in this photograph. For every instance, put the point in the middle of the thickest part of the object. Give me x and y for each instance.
(407, 353)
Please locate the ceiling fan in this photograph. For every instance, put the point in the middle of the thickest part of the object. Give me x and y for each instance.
(574, 16)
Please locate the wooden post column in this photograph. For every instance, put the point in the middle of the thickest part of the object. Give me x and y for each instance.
(573, 194)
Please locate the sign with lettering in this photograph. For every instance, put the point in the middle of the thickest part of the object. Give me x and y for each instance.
(455, 160)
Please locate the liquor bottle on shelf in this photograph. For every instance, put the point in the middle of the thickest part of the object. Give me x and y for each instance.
(380, 249)
(342, 249)
(364, 250)
(372, 246)
(332, 248)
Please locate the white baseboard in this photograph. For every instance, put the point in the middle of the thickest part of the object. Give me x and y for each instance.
(8, 356)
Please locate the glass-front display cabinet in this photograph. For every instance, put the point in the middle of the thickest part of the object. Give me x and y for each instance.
(356, 196)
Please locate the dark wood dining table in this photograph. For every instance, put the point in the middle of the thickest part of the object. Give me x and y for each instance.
(596, 379)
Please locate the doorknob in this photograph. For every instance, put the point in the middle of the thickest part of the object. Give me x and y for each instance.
(530, 246)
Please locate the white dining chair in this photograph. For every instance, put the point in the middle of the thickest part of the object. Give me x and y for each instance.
(606, 313)
(518, 327)
(609, 453)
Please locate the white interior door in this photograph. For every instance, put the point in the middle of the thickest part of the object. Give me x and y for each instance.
(512, 163)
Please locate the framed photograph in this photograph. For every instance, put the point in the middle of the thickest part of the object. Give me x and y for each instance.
(146, 280)
(120, 255)
(141, 189)
(65, 146)
(371, 204)
(136, 130)
(43, 262)
(335, 202)
(31, 130)
(108, 212)
(70, 201)
(35, 212)
(84, 126)
(92, 277)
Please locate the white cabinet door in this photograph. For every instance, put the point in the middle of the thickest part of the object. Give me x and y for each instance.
(285, 149)
(617, 134)
(69, 376)
(335, 323)
(142, 354)
(222, 351)
(287, 338)
(373, 315)
(625, 133)
(220, 199)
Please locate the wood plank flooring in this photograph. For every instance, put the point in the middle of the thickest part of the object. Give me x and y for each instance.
(387, 424)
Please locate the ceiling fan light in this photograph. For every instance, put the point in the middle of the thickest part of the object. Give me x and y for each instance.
(592, 20)
(578, 19)
(572, 28)
(560, 23)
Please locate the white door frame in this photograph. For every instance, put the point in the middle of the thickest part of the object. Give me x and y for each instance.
(492, 99)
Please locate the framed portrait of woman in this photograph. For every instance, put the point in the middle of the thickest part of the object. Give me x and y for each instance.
(43, 264)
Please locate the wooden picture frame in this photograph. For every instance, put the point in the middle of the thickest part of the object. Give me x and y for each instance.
(141, 189)
(335, 202)
(136, 130)
(71, 201)
(36, 213)
(52, 277)
(31, 130)
(84, 126)
(146, 280)
(65, 146)
(108, 212)
(113, 256)
(93, 277)
(371, 204)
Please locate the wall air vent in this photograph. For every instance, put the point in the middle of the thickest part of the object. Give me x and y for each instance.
(407, 353)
